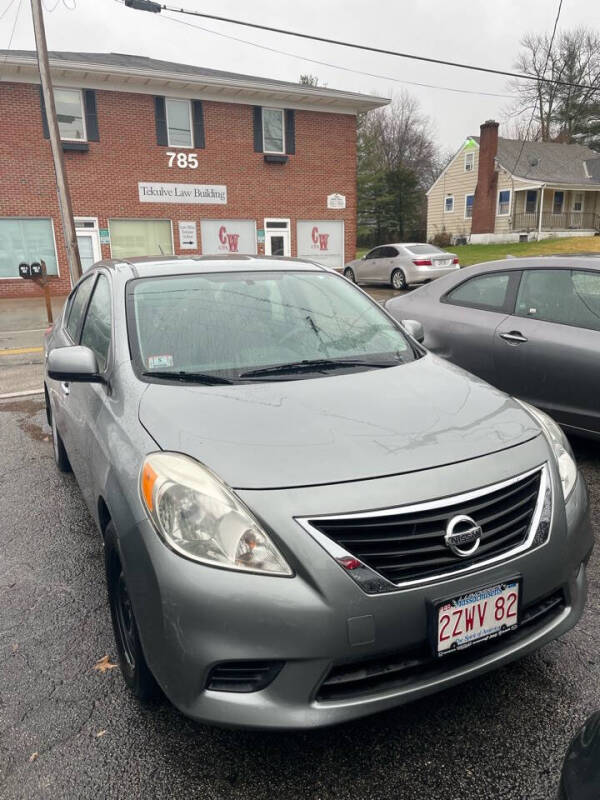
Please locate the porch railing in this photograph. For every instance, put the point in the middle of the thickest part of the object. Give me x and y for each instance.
(565, 221)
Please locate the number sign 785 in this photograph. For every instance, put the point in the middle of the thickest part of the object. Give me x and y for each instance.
(183, 160)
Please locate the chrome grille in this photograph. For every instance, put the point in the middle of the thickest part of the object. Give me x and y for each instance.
(406, 544)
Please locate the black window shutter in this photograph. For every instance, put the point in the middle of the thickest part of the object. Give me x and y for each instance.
(258, 136)
(198, 118)
(160, 114)
(91, 118)
(44, 117)
(290, 131)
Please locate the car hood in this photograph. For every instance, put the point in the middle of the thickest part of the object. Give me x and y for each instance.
(338, 428)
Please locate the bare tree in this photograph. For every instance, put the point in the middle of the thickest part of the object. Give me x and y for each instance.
(400, 136)
(397, 161)
(559, 113)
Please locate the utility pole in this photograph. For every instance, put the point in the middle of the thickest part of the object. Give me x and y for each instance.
(64, 195)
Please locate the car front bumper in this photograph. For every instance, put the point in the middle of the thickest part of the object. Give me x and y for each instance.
(192, 617)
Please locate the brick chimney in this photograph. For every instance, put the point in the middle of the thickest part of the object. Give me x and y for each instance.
(484, 202)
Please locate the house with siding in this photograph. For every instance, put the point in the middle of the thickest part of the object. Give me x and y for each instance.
(504, 190)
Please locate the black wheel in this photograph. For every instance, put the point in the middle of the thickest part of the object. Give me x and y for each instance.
(399, 280)
(60, 454)
(349, 273)
(132, 661)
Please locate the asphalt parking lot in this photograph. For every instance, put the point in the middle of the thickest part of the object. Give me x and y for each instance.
(68, 730)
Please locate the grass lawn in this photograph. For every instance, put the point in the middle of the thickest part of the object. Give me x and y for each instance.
(475, 253)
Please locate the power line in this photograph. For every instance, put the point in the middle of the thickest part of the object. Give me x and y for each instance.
(7, 9)
(544, 70)
(336, 66)
(149, 5)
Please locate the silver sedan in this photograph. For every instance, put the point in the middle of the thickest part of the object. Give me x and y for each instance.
(402, 265)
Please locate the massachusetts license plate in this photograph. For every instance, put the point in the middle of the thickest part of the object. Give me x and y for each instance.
(479, 615)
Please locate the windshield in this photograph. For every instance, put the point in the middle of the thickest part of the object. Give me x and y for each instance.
(228, 324)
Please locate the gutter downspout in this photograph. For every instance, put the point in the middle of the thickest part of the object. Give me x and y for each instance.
(541, 210)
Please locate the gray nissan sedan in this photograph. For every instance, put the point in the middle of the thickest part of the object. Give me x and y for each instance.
(306, 516)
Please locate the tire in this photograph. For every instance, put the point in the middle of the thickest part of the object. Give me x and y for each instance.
(349, 274)
(134, 668)
(398, 280)
(60, 454)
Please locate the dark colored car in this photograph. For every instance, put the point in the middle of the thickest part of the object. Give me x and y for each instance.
(529, 326)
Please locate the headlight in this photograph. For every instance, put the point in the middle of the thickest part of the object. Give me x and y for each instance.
(201, 518)
(561, 448)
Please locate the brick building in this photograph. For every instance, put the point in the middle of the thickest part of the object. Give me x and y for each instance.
(170, 158)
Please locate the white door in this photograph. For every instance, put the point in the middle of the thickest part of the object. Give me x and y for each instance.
(89, 248)
(277, 242)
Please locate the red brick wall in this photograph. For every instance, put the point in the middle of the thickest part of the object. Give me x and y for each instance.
(104, 180)
(484, 202)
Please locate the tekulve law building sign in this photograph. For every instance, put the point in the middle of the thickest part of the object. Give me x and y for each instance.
(197, 193)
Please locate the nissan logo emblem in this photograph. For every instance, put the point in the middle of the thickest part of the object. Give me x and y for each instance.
(463, 536)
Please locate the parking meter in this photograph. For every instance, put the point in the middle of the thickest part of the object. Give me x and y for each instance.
(24, 270)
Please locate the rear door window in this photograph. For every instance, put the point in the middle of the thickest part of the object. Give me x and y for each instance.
(489, 292)
(569, 297)
(77, 307)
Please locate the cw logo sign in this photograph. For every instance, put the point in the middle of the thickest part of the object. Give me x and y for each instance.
(320, 239)
(229, 240)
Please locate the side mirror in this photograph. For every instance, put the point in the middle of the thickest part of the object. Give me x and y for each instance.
(75, 364)
(414, 328)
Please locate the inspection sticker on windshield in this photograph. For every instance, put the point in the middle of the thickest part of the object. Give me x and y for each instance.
(159, 362)
(479, 615)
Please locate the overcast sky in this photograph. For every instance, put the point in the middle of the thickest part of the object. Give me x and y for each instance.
(481, 32)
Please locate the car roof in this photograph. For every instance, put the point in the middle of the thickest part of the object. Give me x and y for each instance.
(539, 262)
(150, 266)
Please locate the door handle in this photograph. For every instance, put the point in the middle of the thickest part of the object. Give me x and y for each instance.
(514, 336)
(65, 387)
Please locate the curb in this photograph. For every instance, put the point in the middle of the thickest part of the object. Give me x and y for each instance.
(26, 393)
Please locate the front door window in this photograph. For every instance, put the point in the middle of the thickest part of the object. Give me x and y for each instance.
(531, 202)
(277, 245)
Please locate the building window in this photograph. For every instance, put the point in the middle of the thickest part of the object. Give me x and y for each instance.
(531, 201)
(70, 114)
(140, 237)
(273, 130)
(179, 123)
(558, 202)
(578, 201)
(469, 162)
(504, 202)
(26, 240)
(449, 204)
(469, 205)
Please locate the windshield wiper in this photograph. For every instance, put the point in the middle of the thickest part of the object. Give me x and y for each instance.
(315, 365)
(188, 377)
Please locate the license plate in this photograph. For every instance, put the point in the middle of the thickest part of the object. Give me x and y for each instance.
(443, 262)
(479, 615)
